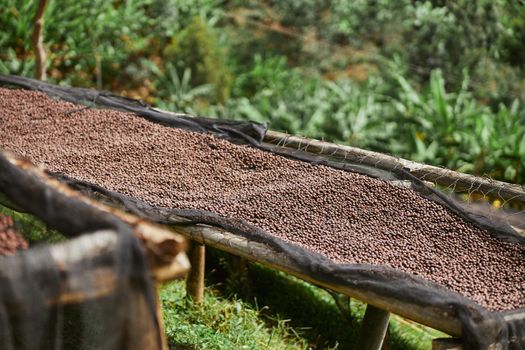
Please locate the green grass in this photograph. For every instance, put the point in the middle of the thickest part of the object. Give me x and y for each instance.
(220, 323)
(268, 309)
(312, 311)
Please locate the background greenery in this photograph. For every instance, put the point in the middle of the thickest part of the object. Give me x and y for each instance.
(436, 81)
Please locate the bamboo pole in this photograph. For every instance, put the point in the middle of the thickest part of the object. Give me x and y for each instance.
(195, 279)
(373, 329)
(445, 177)
(431, 174)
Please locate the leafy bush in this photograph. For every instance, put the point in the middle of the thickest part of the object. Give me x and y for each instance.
(453, 130)
(93, 41)
(175, 92)
(196, 48)
(83, 38)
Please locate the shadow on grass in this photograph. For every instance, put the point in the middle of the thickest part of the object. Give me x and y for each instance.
(311, 310)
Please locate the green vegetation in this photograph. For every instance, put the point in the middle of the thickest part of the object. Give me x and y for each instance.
(312, 311)
(299, 316)
(220, 323)
(195, 49)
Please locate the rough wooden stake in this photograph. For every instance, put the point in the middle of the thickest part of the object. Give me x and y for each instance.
(386, 342)
(195, 280)
(38, 41)
(446, 344)
(373, 329)
(158, 309)
(239, 266)
(239, 274)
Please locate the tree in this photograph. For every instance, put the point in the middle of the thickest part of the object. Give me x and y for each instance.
(38, 41)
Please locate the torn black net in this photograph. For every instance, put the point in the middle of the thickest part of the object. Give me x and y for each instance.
(480, 327)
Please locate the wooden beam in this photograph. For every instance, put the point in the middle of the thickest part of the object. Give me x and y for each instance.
(258, 252)
(444, 177)
(195, 279)
(373, 329)
(70, 256)
(164, 248)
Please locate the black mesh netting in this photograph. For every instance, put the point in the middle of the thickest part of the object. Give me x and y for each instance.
(480, 326)
(93, 291)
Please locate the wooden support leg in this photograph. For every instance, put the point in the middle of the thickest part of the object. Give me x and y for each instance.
(158, 305)
(373, 329)
(239, 275)
(195, 279)
(239, 266)
(386, 341)
(446, 344)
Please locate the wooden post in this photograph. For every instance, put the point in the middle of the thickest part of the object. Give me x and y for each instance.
(38, 41)
(239, 274)
(195, 280)
(373, 329)
(386, 341)
(446, 344)
(239, 266)
(158, 308)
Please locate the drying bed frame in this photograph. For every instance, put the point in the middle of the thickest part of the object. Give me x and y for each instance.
(456, 316)
(80, 269)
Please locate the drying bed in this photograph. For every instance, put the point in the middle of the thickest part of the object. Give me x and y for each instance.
(345, 216)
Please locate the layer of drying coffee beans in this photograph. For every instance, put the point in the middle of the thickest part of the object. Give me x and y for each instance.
(10, 240)
(347, 217)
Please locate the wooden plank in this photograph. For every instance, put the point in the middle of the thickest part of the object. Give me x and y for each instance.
(195, 279)
(373, 329)
(258, 252)
(445, 177)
